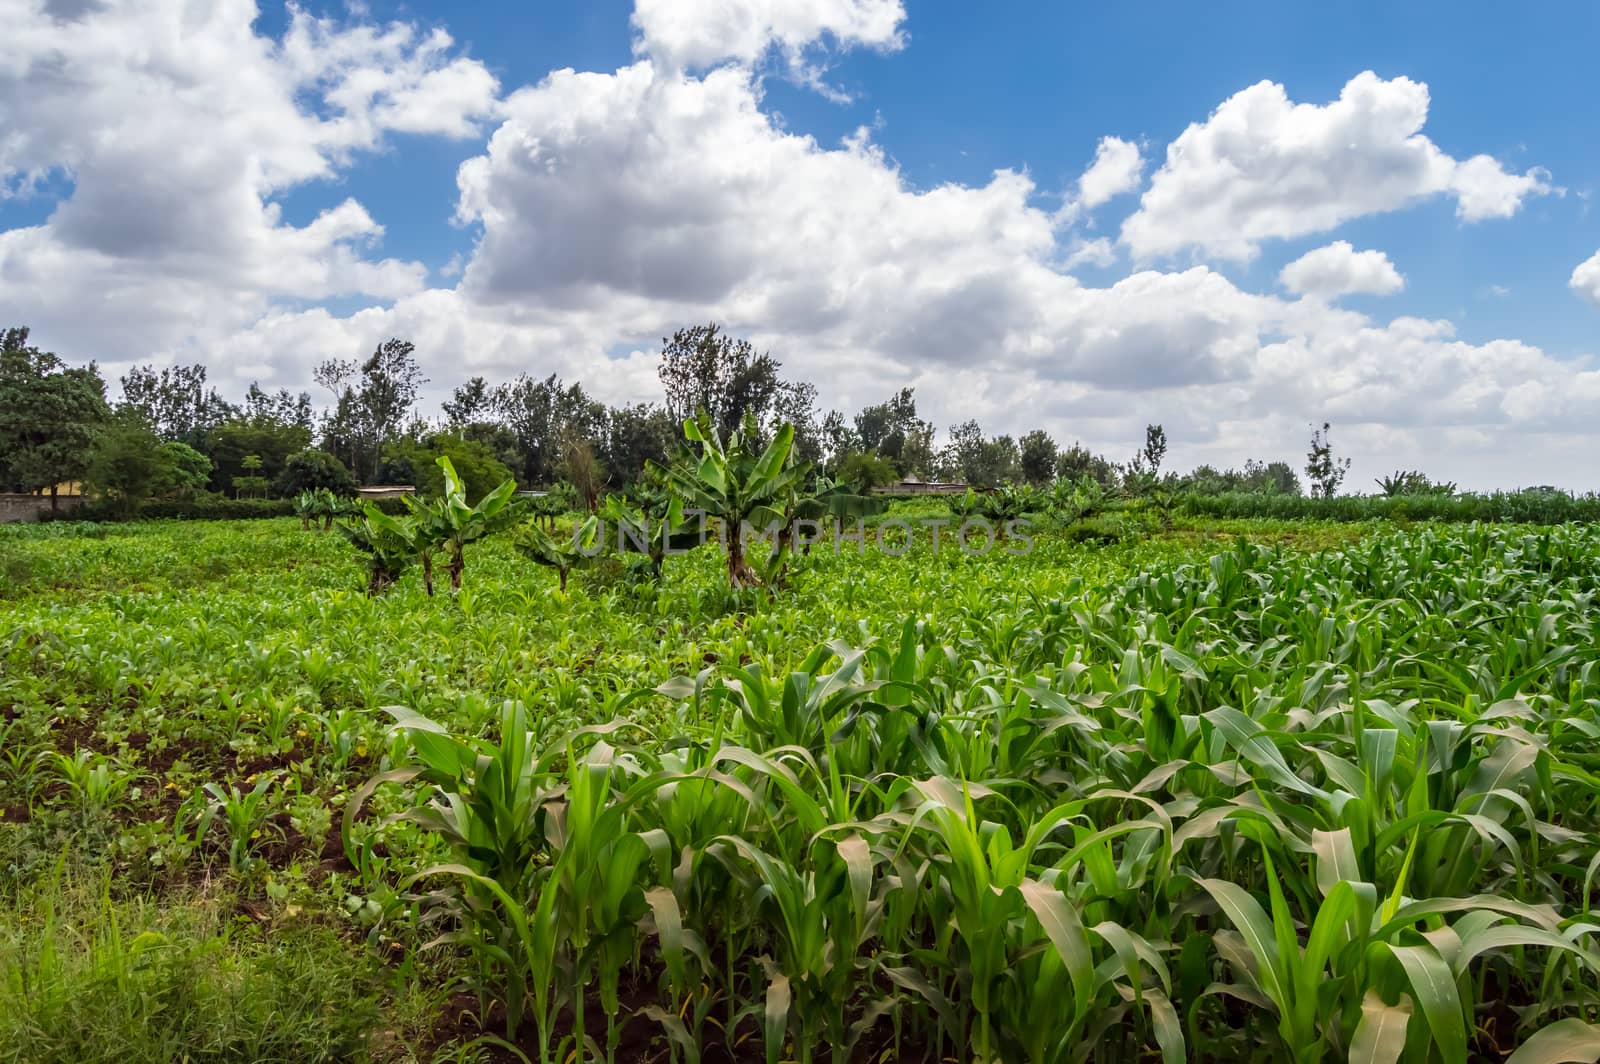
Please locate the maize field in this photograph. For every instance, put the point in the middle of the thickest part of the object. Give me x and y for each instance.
(1237, 791)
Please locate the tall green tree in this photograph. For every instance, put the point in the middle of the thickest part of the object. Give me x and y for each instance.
(292, 409)
(839, 441)
(540, 414)
(313, 470)
(175, 401)
(129, 463)
(50, 415)
(1037, 455)
(704, 370)
(469, 404)
(271, 440)
(1324, 470)
(890, 428)
(979, 460)
(1077, 463)
(636, 435)
(390, 382)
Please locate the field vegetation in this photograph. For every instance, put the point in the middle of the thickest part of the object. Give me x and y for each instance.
(1331, 795)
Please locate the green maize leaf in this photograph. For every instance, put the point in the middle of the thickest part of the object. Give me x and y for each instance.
(1065, 931)
(1569, 1041)
(1247, 916)
(1336, 859)
(1433, 988)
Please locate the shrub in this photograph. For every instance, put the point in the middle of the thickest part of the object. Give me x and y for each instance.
(311, 469)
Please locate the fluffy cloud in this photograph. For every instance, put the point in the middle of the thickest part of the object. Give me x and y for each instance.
(1117, 168)
(1339, 269)
(664, 197)
(1263, 167)
(1095, 252)
(682, 34)
(1586, 279)
(177, 125)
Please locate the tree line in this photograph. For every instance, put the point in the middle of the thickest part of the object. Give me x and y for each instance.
(171, 431)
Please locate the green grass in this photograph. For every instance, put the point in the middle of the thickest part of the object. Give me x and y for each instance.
(1333, 796)
(88, 977)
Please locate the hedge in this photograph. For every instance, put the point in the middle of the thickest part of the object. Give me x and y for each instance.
(200, 508)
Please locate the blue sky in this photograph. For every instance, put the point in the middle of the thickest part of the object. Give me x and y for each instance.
(556, 249)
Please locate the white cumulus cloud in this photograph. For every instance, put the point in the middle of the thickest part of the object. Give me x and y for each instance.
(1117, 168)
(1586, 279)
(1339, 269)
(1263, 167)
(609, 208)
(683, 34)
(178, 126)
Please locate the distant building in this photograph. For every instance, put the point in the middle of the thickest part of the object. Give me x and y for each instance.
(913, 486)
(385, 491)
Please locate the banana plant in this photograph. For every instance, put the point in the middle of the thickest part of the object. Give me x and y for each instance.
(448, 523)
(643, 524)
(562, 555)
(389, 543)
(826, 502)
(743, 490)
(1072, 501)
(305, 508)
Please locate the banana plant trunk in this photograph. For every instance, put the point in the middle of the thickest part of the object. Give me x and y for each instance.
(739, 572)
(458, 562)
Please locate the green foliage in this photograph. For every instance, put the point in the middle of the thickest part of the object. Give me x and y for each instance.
(175, 403)
(1071, 501)
(983, 462)
(448, 522)
(390, 543)
(1078, 463)
(244, 814)
(1008, 502)
(1413, 482)
(50, 415)
(864, 471)
(1037, 458)
(743, 489)
(480, 472)
(233, 443)
(129, 464)
(188, 470)
(1269, 478)
(563, 555)
(704, 370)
(1325, 471)
(310, 470)
(1539, 505)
